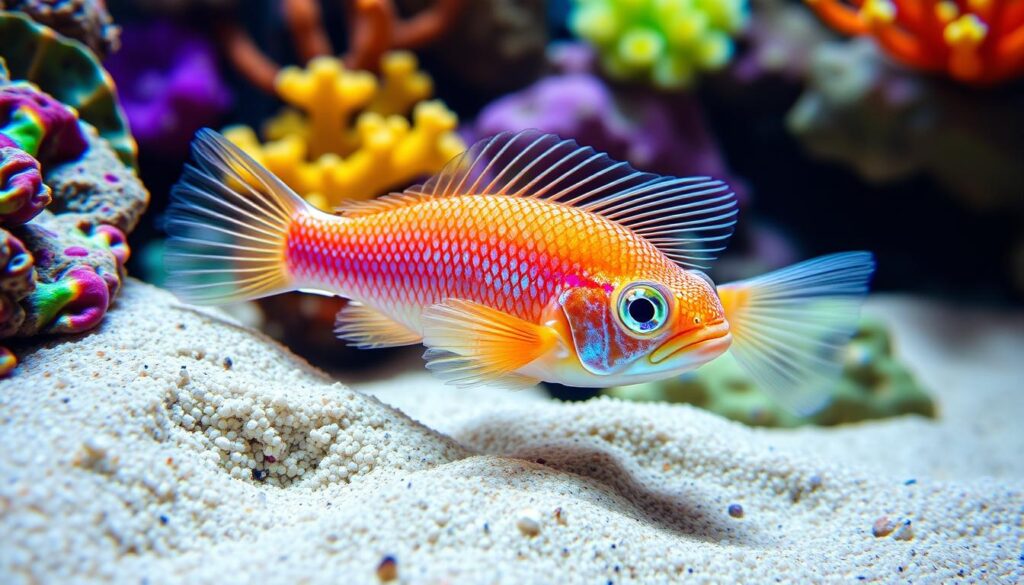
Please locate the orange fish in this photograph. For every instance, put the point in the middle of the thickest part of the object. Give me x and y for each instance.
(527, 258)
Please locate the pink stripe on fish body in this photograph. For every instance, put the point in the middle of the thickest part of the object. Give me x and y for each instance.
(512, 254)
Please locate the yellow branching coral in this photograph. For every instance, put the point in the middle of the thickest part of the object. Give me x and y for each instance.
(351, 135)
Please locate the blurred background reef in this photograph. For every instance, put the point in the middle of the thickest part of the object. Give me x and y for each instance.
(889, 125)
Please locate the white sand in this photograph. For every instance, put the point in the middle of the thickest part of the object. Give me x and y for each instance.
(128, 455)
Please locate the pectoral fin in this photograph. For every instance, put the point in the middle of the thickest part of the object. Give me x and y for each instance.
(367, 328)
(470, 344)
(790, 326)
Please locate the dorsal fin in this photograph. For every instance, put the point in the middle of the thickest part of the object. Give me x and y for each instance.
(360, 207)
(688, 219)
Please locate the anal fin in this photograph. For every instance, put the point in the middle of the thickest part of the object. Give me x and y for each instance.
(470, 344)
(367, 328)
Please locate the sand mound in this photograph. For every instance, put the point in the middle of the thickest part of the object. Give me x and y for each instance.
(172, 445)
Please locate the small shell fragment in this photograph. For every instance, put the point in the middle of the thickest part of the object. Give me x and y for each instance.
(528, 522)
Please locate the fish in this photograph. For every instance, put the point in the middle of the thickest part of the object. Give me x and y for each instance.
(528, 258)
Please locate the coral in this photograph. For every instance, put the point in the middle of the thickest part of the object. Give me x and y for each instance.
(38, 124)
(652, 133)
(494, 45)
(79, 271)
(779, 41)
(874, 385)
(656, 133)
(33, 127)
(168, 95)
(66, 70)
(889, 123)
(67, 198)
(374, 28)
(86, 21)
(17, 280)
(97, 188)
(352, 139)
(666, 42)
(973, 41)
(78, 244)
(22, 191)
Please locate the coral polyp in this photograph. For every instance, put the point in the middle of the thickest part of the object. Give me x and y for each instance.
(668, 42)
(349, 136)
(973, 41)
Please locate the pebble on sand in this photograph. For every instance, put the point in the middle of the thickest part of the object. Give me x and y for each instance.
(883, 526)
(387, 570)
(528, 522)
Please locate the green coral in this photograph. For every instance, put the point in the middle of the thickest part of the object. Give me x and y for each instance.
(874, 385)
(667, 42)
(65, 69)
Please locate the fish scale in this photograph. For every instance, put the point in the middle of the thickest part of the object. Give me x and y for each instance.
(508, 253)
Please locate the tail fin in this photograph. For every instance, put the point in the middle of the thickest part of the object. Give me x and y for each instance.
(790, 326)
(228, 225)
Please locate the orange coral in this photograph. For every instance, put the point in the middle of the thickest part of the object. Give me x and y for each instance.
(974, 41)
(374, 27)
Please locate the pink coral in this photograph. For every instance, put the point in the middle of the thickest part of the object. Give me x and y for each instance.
(22, 191)
(39, 124)
(17, 280)
(35, 129)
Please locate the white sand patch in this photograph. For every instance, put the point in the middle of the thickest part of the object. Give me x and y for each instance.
(172, 445)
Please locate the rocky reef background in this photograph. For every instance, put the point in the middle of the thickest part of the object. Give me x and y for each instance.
(907, 190)
(831, 141)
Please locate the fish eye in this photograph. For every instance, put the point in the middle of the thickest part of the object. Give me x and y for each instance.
(703, 276)
(643, 308)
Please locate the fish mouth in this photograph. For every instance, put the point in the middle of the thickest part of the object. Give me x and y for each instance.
(704, 340)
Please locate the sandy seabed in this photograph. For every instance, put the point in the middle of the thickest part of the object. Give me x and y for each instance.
(174, 445)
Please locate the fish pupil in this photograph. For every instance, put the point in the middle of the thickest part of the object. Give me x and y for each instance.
(642, 310)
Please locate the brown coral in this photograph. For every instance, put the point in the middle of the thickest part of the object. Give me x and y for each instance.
(374, 27)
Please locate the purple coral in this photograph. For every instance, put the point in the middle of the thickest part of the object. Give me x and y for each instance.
(17, 280)
(34, 128)
(780, 41)
(167, 94)
(644, 129)
(39, 124)
(22, 191)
